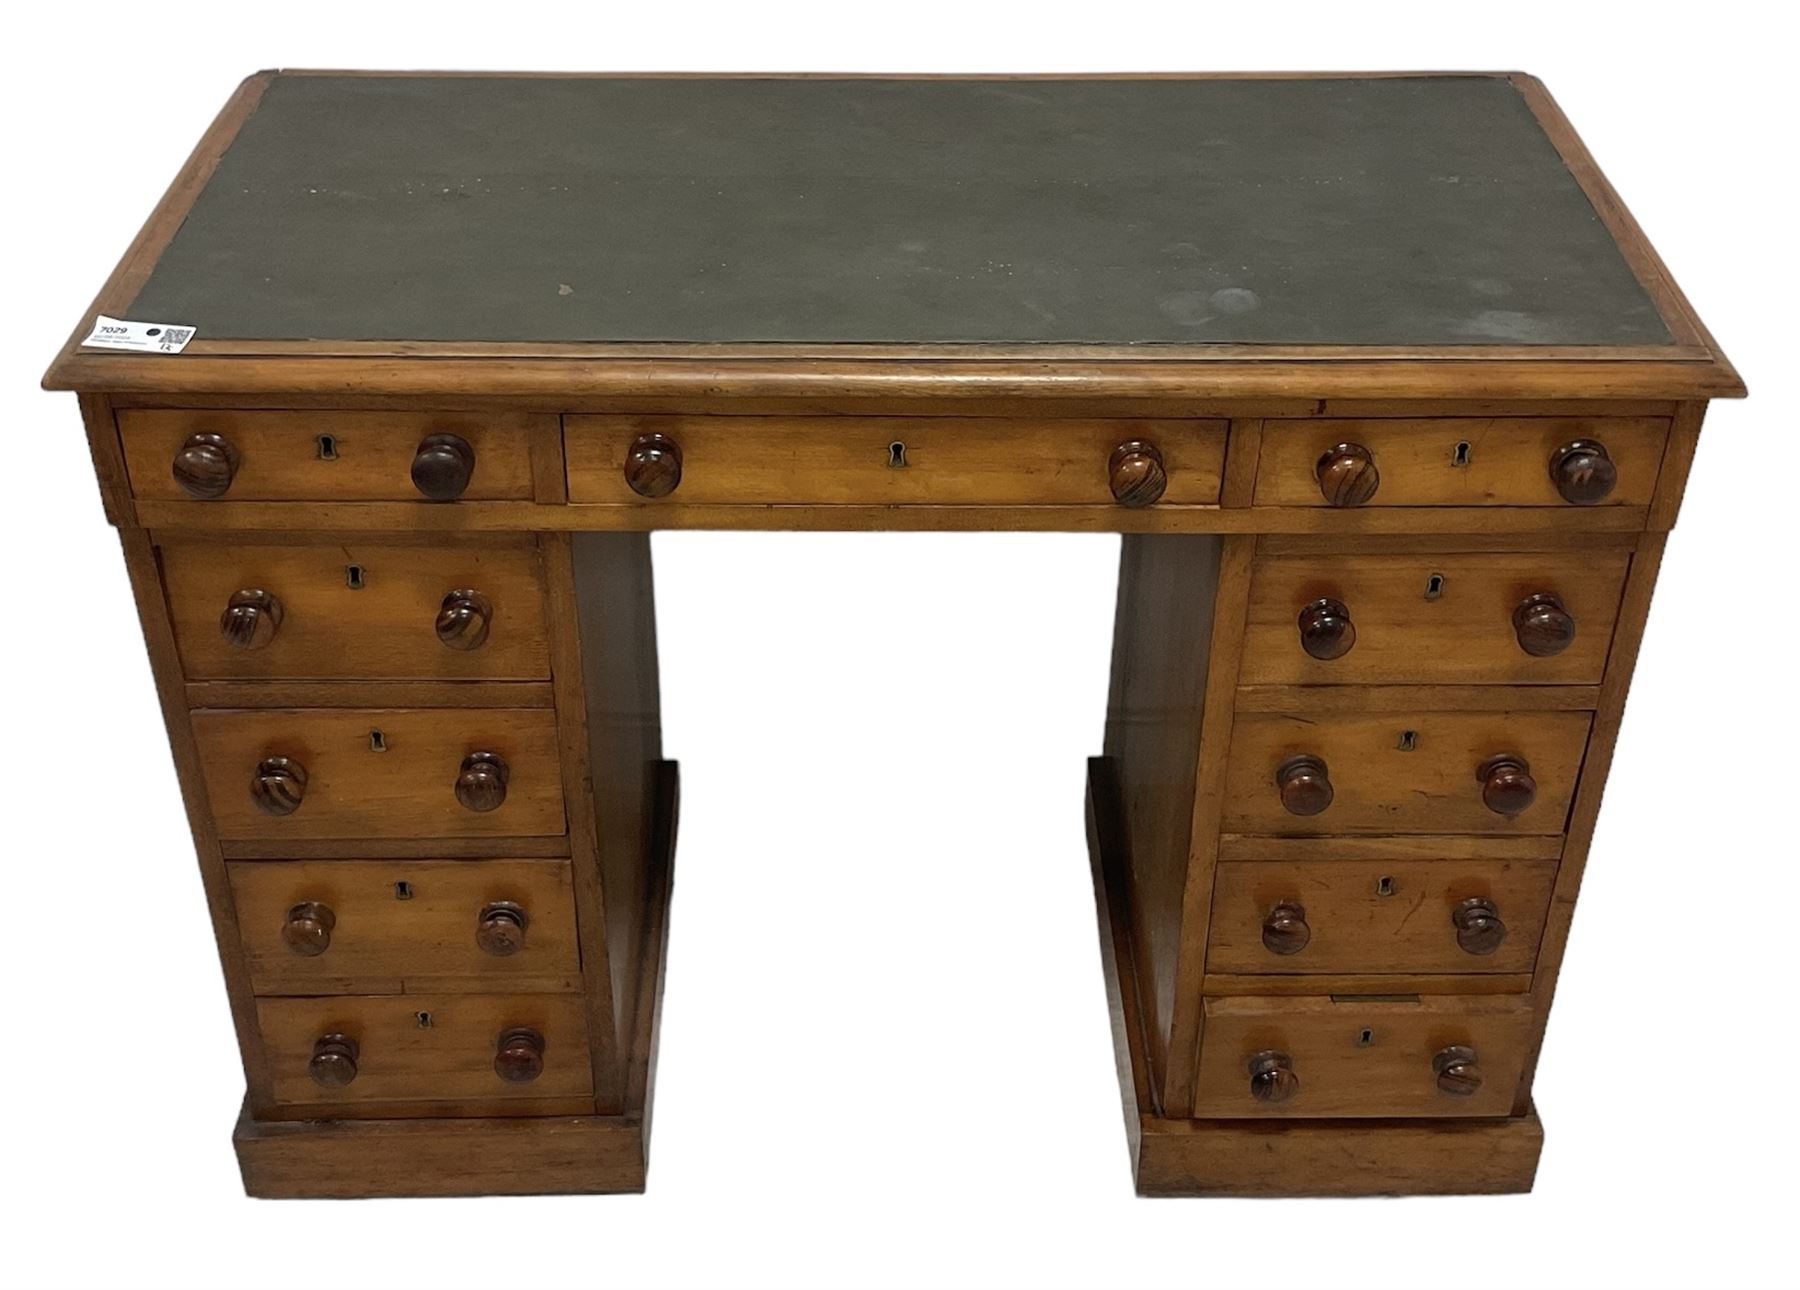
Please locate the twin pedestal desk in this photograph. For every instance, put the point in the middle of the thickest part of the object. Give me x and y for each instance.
(1387, 394)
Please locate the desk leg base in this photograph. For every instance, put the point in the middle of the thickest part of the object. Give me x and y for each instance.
(523, 1156)
(1260, 1158)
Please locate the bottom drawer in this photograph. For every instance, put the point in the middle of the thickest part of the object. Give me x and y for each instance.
(1361, 1056)
(493, 1054)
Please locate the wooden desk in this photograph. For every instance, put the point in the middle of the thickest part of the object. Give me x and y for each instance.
(1388, 395)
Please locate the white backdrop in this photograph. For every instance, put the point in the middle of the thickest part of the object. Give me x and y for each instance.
(885, 1053)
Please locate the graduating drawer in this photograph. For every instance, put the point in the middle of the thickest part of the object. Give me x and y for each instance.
(1403, 772)
(1378, 916)
(380, 773)
(406, 926)
(328, 456)
(1511, 619)
(359, 610)
(360, 1054)
(1264, 1058)
(892, 461)
(1460, 461)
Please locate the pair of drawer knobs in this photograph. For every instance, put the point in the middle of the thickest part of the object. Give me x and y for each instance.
(1581, 470)
(1541, 625)
(1507, 787)
(1456, 1068)
(253, 616)
(279, 785)
(499, 928)
(1477, 922)
(518, 1057)
(442, 466)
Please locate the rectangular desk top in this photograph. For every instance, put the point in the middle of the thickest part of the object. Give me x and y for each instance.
(1382, 219)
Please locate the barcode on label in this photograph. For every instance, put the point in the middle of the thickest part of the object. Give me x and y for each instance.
(176, 336)
(143, 337)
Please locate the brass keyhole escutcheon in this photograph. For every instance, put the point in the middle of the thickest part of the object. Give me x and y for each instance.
(1384, 885)
(1434, 586)
(897, 456)
(377, 741)
(1459, 456)
(327, 445)
(353, 577)
(1409, 740)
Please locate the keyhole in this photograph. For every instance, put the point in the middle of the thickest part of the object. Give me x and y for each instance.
(327, 447)
(1409, 740)
(1460, 455)
(897, 456)
(1364, 1038)
(353, 577)
(424, 1020)
(377, 741)
(1384, 885)
(403, 891)
(1434, 586)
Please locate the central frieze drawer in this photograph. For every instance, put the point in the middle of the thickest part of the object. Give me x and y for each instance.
(380, 773)
(361, 610)
(1403, 772)
(892, 461)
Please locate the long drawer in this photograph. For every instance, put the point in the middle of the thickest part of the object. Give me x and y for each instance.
(889, 461)
(479, 1051)
(1525, 618)
(1378, 916)
(406, 926)
(357, 609)
(1323, 1057)
(1403, 772)
(295, 773)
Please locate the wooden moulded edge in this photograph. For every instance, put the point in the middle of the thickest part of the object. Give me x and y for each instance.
(1172, 1157)
(494, 1156)
(1691, 367)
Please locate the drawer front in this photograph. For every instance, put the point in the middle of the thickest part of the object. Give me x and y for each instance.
(406, 926)
(1511, 619)
(423, 1049)
(1311, 1057)
(358, 610)
(364, 456)
(1421, 772)
(1454, 461)
(1376, 916)
(890, 461)
(380, 773)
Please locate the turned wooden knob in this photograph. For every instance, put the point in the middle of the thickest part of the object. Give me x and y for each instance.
(279, 785)
(481, 782)
(251, 618)
(463, 619)
(1458, 1071)
(1478, 926)
(1507, 787)
(1136, 474)
(1347, 475)
(1582, 472)
(1326, 631)
(205, 466)
(519, 1055)
(1272, 1077)
(443, 466)
(1305, 785)
(307, 931)
(1542, 625)
(653, 465)
(500, 928)
(1284, 930)
(333, 1063)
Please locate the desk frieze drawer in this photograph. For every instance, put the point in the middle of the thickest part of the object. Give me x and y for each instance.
(1503, 619)
(454, 610)
(893, 461)
(374, 926)
(1460, 461)
(307, 773)
(1400, 772)
(400, 1054)
(1265, 1058)
(328, 456)
(1378, 916)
